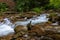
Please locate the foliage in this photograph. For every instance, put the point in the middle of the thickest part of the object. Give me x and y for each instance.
(27, 5)
(37, 10)
(53, 4)
(3, 7)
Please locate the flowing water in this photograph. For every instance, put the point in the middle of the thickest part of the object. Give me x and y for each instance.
(6, 27)
(39, 19)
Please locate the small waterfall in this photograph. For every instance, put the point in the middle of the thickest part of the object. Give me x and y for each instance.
(8, 22)
(6, 27)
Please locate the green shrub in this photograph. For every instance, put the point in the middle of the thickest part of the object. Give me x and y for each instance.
(3, 7)
(27, 5)
(37, 10)
(53, 4)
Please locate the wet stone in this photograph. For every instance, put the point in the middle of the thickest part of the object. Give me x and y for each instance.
(45, 38)
(20, 28)
(37, 30)
(20, 31)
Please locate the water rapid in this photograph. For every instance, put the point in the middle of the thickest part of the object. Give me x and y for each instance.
(7, 27)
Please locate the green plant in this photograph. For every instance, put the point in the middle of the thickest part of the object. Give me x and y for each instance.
(37, 10)
(27, 5)
(53, 4)
(3, 7)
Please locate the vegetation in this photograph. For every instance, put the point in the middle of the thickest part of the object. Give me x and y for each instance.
(37, 10)
(53, 4)
(33, 5)
(28, 5)
(3, 7)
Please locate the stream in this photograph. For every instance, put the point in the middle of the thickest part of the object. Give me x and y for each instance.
(39, 19)
(7, 27)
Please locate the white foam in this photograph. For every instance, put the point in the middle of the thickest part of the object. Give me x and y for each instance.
(5, 30)
(6, 27)
(39, 19)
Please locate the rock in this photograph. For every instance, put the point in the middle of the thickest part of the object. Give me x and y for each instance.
(19, 39)
(29, 26)
(55, 36)
(8, 37)
(26, 35)
(53, 32)
(20, 28)
(20, 31)
(37, 30)
(45, 38)
(28, 14)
